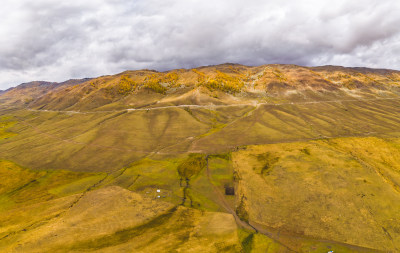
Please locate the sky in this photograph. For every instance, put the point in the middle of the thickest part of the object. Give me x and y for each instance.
(56, 40)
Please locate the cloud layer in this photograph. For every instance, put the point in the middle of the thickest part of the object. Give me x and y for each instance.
(57, 40)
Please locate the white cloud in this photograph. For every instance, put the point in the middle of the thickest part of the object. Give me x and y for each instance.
(57, 40)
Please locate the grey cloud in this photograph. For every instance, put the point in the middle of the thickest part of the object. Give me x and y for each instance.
(57, 40)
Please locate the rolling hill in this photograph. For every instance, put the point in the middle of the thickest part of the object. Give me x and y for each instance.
(226, 158)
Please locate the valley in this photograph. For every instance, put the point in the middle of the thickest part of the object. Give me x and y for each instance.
(141, 161)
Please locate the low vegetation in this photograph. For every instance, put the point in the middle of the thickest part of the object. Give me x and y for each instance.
(340, 184)
(126, 85)
(154, 82)
(5, 124)
(221, 81)
(191, 166)
(227, 158)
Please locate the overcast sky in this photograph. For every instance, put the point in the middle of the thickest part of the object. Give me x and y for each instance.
(57, 40)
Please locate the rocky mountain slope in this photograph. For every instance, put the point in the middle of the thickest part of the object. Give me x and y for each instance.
(222, 84)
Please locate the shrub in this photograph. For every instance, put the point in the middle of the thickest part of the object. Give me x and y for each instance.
(269, 160)
(153, 82)
(126, 85)
(227, 83)
(171, 78)
(279, 75)
(241, 210)
(222, 82)
(192, 166)
(201, 79)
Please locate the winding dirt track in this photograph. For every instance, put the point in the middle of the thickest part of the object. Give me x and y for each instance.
(243, 224)
(255, 105)
(214, 106)
(220, 198)
(222, 202)
(275, 235)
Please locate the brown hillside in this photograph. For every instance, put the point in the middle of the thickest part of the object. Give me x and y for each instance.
(221, 84)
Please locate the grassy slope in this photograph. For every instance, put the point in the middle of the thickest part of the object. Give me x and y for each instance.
(335, 190)
(73, 211)
(321, 183)
(342, 189)
(108, 141)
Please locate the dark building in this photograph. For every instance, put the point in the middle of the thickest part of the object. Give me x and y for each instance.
(229, 190)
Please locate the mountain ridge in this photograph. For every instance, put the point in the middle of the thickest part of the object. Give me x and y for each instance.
(204, 66)
(224, 83)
